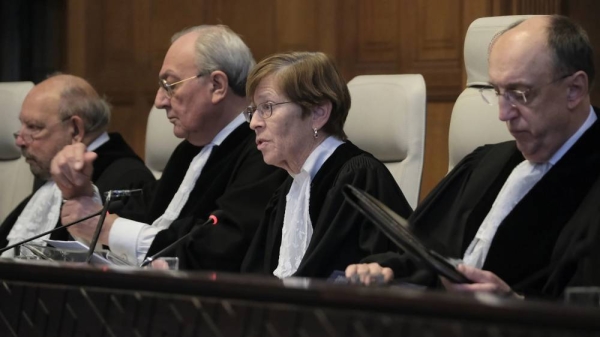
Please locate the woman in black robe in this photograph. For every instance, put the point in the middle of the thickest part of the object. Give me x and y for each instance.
(299, 106)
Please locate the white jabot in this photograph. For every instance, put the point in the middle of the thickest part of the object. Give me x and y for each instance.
(521, 180)
(130, 240)
(39, 215)
(183, 192)
(297, 226)
(42, 212)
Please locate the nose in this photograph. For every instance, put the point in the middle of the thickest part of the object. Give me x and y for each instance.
(19, 141)
(256, 121)
(161, 100)
(507, 110)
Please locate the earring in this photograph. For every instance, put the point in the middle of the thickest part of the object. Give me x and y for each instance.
(316, 133)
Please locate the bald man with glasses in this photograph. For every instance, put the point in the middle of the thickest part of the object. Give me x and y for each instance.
(60, 111)
(512, 211)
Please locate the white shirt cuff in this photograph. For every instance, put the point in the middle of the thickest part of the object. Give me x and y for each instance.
(130, 240)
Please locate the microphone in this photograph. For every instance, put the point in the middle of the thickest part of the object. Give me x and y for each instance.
(113, 208)
(110, 196)
(117, 194)
(213, 218)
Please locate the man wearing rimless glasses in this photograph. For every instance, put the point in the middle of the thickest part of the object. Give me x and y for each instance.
(59, 111)
(518, 213)
(216, 168)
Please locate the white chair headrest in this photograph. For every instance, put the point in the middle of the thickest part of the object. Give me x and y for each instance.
(382, 106)
(160, 141)
(12, 95)
(477, 43)
(387, 119)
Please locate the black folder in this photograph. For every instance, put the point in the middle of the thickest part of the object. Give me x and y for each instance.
(397, 229)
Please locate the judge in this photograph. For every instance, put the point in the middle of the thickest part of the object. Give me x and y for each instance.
(216, 166)
(299, 106)
(57, 112)
(518, 212)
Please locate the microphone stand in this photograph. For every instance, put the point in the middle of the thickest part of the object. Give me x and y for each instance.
(213, 218)
(96, 236)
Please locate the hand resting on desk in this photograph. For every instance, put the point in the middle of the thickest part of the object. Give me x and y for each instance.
(483, 281)
(368, 273)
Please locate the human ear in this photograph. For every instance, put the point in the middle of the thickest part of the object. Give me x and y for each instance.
(77, 129)
(320, 114)
(578, 89)
(219, 86)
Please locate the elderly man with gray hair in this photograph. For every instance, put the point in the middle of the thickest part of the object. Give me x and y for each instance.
(60, 111)
(216, 167)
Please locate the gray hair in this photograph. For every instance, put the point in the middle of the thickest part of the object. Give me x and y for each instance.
(219, 48)
(92, 109)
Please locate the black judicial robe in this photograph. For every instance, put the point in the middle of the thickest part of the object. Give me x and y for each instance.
(235, 180)
(532, 238)
(116, 167)
(341, 235)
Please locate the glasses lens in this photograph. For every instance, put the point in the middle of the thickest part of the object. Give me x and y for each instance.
(516, 97)
(265, 110)
(166, 87)
(248, 113)
(25, 137)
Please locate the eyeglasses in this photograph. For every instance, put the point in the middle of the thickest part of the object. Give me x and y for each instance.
(169, 88)
(29, 135)
(514, 97)
(265, 110)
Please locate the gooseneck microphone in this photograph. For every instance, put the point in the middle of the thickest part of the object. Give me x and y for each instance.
(110, 196)
(112, 207)
(116, 194)
(49, 232)
(212, 219)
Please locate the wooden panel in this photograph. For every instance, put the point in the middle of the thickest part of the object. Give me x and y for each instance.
(435, 165)
(436, 50)
(536, 6)
(580, 11)
(439, 32)
(108, 44)
(296, 25)
(377, 32)
(381, 37)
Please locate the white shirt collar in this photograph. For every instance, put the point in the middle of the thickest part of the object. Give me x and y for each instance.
(226, 131)
(315, 160)
(99, 141)
(574, 138)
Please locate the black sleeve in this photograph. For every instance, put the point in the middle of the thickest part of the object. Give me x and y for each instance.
(435, 211)
(342, 234)
(242, 203)
(157, 194)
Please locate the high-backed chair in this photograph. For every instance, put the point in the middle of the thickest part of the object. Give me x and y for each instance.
(387, 119)
(473, 122)
(16, 180)
(160, 141)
